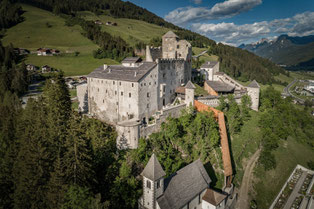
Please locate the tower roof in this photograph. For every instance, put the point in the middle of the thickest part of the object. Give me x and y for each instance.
(189, 85)
(253, 84)
(153, 169)
(170, 34)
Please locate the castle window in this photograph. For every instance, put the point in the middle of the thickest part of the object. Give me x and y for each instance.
(178, 46)
(106, 91)
(148, 94)
(115, 92)
(132, 84)
(113, 82)
(98, 89)
(121, 93)
(130, 95)
(158, 184)
(102, 81)
(155, 83)
(147, 105)
(103, 101)
(144, 84)
(150, 83)
(120, 83)
(148, 184)
(164, 75)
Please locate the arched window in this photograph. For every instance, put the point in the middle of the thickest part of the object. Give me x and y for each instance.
(148, 184)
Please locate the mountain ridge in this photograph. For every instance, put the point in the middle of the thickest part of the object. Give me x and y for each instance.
(285, 50)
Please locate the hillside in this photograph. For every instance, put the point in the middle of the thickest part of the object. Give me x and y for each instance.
(260, 69)
(34, 33)
(285, 50)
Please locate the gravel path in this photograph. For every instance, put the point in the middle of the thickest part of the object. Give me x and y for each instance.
(243, 200)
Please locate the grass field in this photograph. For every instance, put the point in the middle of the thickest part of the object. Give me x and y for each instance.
(288, 155)
(204, 57)
(244, 145)
(132, 31)
(34, 33)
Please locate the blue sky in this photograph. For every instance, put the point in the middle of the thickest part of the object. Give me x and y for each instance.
(237, 21)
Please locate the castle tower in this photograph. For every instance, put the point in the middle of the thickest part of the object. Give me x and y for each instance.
(254, 91)
(189, 94)
(169, 44)
(153, 182)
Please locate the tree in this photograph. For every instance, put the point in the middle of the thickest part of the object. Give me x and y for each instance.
(31, 166)
(245, 107)
(77, 198)
(77, 157)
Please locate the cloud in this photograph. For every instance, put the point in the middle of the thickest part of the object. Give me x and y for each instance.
(298, 25)
(197, 1)
(226, 9)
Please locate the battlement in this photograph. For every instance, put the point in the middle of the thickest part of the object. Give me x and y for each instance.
(170, 60)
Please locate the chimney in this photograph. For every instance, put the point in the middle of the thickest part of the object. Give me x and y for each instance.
(105, 66)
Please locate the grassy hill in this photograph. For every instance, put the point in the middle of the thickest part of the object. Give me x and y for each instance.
(132, 31)
(34, 33)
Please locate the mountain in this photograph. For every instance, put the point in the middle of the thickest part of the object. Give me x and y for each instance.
(285, 50)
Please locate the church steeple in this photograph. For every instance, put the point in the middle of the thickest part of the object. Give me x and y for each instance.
(153, 182)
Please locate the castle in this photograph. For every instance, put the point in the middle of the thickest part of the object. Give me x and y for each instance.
(137, 96)
(128, 95)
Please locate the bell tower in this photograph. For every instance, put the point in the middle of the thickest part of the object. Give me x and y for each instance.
(153, 182)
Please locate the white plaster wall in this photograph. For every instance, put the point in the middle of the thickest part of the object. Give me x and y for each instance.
(108, 103)
(189, 97)
(254, 95)
(148, 97)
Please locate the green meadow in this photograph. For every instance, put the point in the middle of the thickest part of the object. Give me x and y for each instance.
(41, 28)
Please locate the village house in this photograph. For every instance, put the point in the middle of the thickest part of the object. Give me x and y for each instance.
(187, 188)
(30, 67)
(46, 69)
(47, 52)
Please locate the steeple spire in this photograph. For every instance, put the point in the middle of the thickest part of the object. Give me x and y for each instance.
(153, 169)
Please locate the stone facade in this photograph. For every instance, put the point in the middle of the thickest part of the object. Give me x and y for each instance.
(252, 90)
(128, 95)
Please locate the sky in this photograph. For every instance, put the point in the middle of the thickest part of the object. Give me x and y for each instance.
(237, 21)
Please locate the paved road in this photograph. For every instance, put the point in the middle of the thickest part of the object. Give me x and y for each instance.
(286, 91)
(243, 200)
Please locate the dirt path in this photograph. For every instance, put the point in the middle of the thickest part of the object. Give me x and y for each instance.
(243, 200)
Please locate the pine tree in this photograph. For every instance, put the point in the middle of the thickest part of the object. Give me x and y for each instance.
(77, 156)
(31, 166)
